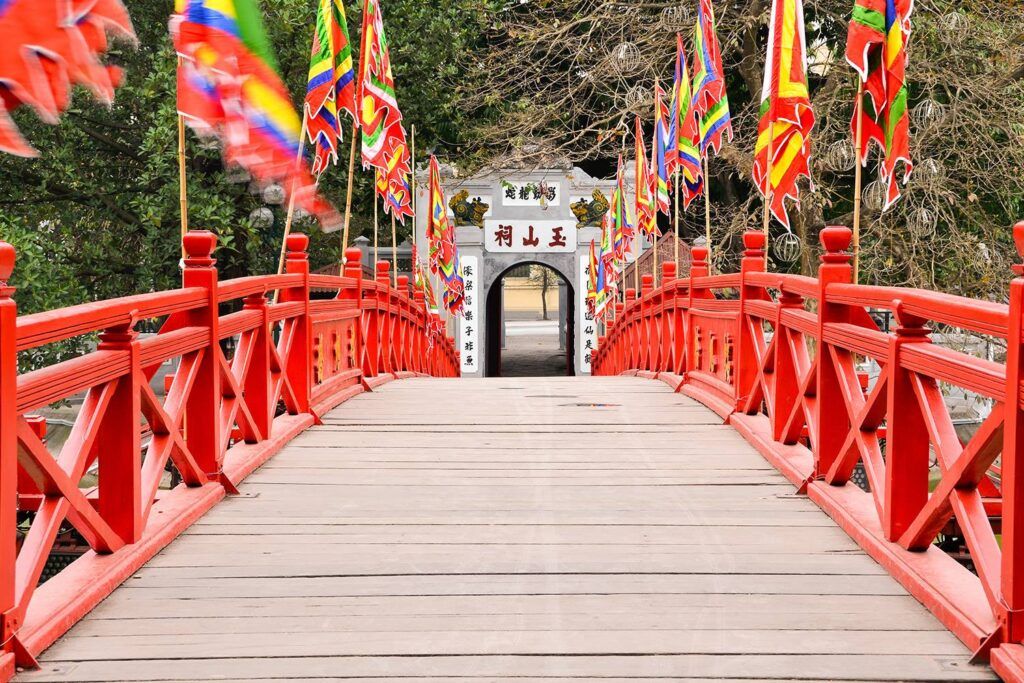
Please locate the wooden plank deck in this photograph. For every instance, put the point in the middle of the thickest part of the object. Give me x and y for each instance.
(536, 529)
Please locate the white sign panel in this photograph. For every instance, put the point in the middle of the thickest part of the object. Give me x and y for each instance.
(469, 323)
(587, 342)
(530, 237)
(530, 194)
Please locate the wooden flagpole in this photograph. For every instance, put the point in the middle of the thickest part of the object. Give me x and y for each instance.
(412, 147)
(291, 201)
(858, 178)
(394, 248)
(348, 195)
(376, 250)
(675, 234)
(767, 193)
(707, 205)
(182, 178)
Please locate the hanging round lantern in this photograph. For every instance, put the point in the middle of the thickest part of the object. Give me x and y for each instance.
(955, 25)
(209, 142)
(922, 222)
(303, 217)
(929, 171)
(237, 175)
(927, 113)
(273, 194)
(675, 19)
(636, 98)
(841, 156)
(874, 196)
(788, 248)
(262, 218)
(626, 59)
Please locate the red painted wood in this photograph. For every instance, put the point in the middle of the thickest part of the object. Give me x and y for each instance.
(781, 364)
(217, 422)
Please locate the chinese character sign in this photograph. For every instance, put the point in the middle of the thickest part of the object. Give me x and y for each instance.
(469, 323)
(526, 236)
(586, 344)
(537, 194)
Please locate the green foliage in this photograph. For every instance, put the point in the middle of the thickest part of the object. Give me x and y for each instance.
(106, 184)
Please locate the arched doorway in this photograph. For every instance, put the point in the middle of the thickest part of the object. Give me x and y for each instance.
(530, 323)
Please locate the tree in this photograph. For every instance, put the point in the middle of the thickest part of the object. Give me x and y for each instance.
(96, 215)
(550, 86)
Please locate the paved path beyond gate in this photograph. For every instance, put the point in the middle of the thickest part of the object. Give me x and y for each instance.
(547, 529)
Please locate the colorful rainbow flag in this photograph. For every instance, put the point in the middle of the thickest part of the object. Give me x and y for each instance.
(876, 48)
(645, 206)
(785, 110)
(379, 116)
(228, 88)
(444, 255)
(622, 232)
(710, 100)
(660, 152)
(71, 37)
(331, 83)
(684, 131)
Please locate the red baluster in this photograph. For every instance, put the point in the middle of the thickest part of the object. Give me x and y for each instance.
(830, 433)
(384, 320)
(1012, 575)
(748, 336)
(698, 269)
(299, 364)
(648, 340)
(119, 436)
(202, 413)
(354, 293)
(8, 458)
(404, 336)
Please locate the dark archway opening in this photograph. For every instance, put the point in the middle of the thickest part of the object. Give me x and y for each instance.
(531, 323)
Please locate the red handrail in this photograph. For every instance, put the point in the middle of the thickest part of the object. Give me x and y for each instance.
(782, 364)
(223, 413)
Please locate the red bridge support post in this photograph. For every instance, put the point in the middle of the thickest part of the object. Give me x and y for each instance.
(299, 363)
(354, 272)
(8, 460)
(1012, 572)
(202, 413)
(830, 423)
(746, 354)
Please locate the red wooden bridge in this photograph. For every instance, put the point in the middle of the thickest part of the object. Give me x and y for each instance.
(311, 494)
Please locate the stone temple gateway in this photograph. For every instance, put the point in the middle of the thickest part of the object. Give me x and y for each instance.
(529, 219)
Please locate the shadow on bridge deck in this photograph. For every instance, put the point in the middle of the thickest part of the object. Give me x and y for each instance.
(547, 529)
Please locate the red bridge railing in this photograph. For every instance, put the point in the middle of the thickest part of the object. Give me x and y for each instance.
(781, 358)
(257, 361)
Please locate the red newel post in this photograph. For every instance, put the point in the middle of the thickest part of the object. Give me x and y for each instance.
(422, 318)
(835, 268)
(256, 384)
(698, 269)
(354, 271)
(299, 364)
(1012, 575)
(120, 458)
(202, 414)
(646, 318)
(754, 242)
(8, 456)
(404, 334)
(907, 442)
(384, 319)
(669, 332)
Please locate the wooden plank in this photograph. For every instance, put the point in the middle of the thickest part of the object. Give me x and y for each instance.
(547, 530)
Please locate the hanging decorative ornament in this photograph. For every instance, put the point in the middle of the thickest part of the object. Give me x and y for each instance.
(841, 156)
(929, 171)
(927, 113)
(262, 218)
(273, 194)
(636, 98)
(209, 142)
(543, 190)
(955, 25)
(302, 217)
(237, 175)
(626, 59)
(922, 222)
(675, 19)
(874, 196)
(788, 247)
